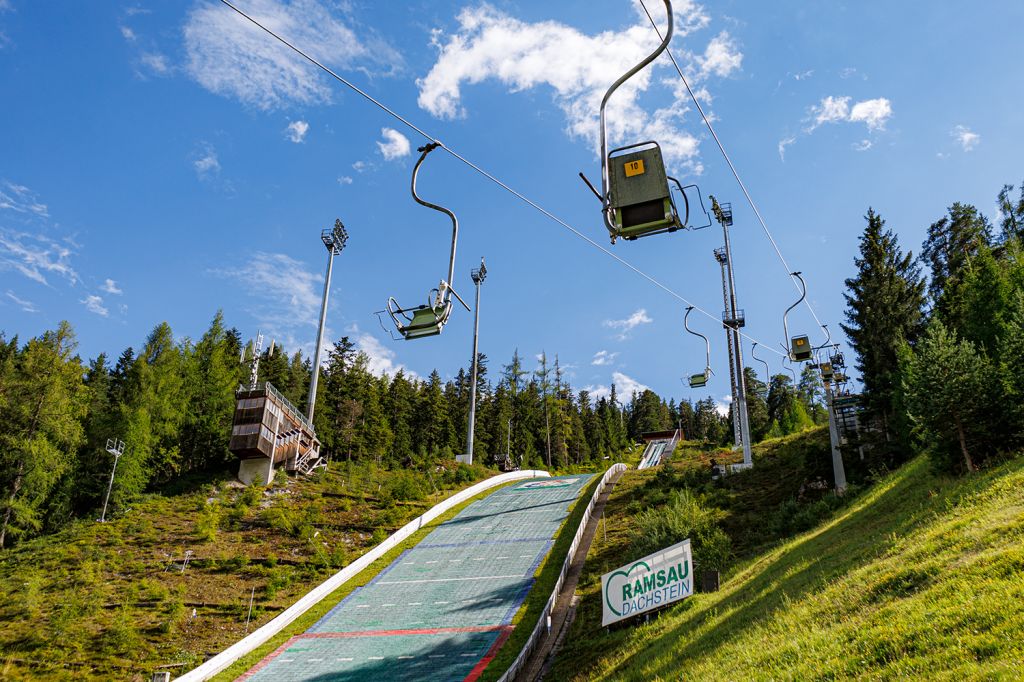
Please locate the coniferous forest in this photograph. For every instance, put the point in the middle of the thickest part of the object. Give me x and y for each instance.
(938, 340)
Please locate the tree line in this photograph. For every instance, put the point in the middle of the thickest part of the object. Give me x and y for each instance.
(940, 338)
(172, 403)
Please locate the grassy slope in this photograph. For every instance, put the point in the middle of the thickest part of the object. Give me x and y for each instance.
(918, 576)
(110, 601)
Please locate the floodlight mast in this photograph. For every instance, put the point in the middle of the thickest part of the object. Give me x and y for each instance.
(334, 240)
(478, 275)
(115, 446)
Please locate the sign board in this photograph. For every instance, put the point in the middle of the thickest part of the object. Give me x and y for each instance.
(647, 584)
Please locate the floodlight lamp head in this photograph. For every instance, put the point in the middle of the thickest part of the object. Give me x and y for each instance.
(479, 274)
(335, 239)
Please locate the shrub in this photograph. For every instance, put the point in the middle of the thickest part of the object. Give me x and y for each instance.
(685, 516)
(207, 522)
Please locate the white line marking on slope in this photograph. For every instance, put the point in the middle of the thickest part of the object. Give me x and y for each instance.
(448, 580)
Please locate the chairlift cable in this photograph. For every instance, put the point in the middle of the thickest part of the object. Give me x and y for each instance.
(383, 107)
(728, 160)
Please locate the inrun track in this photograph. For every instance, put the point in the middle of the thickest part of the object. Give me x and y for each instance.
(442, 609)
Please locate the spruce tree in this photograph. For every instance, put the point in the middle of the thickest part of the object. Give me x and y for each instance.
(885, 303)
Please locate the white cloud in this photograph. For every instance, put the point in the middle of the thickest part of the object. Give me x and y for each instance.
(287, 295)
(394, 146)
(721, 57)
(344, 180)
(965, 137)
(110, 286)
(578, 68)
(230, 56)
(94, 304)
(26, 306)
(35, 256)
(128, 34)
(873, 112)
(206, 163)
(296, 131)
(21, 199)
(630, 323)
(830, 110)
(382, 359)
(359, 166)
(603, 357)
(803, 75)
(626, 386)
(863, 145)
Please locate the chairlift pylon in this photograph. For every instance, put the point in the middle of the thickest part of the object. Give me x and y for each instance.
(699, 380)
(799, 349)
(428, 320)
(636, 200)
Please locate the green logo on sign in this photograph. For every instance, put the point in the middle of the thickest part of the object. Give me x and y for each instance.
(624, 574)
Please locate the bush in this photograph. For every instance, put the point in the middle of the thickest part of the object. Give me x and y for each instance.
(404, 487)
(207, 522)
(684, 516)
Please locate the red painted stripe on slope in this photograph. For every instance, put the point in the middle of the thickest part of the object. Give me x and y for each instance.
(478, 669)
(269, 657)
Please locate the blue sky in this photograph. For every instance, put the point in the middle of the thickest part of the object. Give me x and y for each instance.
(161, 160)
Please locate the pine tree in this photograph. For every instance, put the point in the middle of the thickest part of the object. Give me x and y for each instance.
(212, 378)
(1012, 214)
(953, 241)
(41, 429)
(885, 304)
(949, 390)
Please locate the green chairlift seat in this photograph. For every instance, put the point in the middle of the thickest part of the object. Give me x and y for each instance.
(428, 320)
(699, 380)
(826, 371)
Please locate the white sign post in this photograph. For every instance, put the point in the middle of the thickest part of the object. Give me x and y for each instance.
(649, 583)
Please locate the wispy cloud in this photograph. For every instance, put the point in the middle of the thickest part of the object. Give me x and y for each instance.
(26, 306)
(94, 304)
(20, 199)
(156, 63)
(783, 143)
(965, 137)
(35, 256)
(578, 68)
(285, 292)
(863, 145)
(229, 56)
(627, 325)
(345, 180)
(296, 131)
(603, 357)
(110, 286)
(205, 162)
(395, 145)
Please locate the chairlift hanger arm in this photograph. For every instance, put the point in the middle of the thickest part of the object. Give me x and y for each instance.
(426, 149)
(615, 86)
(767, 370)
(707, 343)
(785, 316)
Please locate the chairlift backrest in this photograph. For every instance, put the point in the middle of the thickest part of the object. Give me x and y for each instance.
(699, 380)
(800, 349)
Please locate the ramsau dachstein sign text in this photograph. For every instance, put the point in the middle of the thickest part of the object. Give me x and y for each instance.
(646, 584)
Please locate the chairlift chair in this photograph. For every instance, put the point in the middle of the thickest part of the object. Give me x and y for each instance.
(636, 199)
(699, 380)
(826, 371)
(799, 346)
(428, 320)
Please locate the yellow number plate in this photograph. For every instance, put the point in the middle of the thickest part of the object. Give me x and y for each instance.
(635, 168)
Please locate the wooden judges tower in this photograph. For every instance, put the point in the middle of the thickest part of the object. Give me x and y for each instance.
(269, 432)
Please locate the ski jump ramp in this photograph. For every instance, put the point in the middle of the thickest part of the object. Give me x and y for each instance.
(442, 609)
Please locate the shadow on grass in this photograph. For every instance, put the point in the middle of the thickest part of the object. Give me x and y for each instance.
(859, 534)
